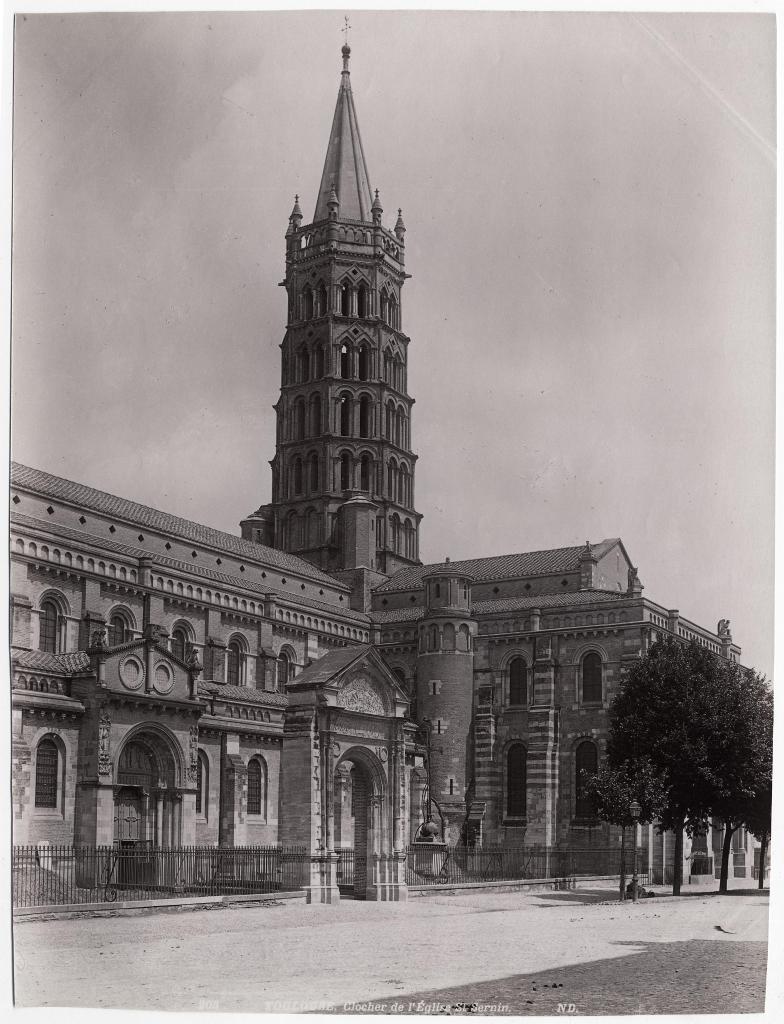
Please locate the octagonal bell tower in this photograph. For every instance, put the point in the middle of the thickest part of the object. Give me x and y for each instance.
(343, 471)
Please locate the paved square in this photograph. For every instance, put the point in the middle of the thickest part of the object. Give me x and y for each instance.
(515, 953)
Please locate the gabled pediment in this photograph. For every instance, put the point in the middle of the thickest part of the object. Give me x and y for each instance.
(144, 667)
(354, 678)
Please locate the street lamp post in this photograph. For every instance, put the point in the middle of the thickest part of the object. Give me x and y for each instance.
(634, 810)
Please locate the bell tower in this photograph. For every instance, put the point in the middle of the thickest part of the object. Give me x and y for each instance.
(343, 471)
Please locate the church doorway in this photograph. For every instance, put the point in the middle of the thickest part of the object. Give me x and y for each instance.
(146, 801)
(355, 838)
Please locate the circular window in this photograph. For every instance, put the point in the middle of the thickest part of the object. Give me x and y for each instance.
(164, 680)
(132, 673)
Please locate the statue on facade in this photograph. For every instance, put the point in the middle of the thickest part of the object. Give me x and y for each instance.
(104, 743)
(723, 629)
(194, 665)
(193, 766)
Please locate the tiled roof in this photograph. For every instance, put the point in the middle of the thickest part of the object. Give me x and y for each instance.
(60, 664)
(243, 693)
(412, 614)
(499, 567)
(109, 504)
(330, 664)
(187, 568)
(519, 604)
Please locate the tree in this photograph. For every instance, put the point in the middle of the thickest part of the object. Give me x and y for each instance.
(615, 788)
(757, 821)
(670, 712)
(743, 756)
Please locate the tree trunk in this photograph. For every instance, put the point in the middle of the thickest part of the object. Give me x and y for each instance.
(763, 855)
(726, 847)
(677, 867)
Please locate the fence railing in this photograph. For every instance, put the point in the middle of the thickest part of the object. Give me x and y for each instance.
(461, 865)
(345, 867)
(51, 875)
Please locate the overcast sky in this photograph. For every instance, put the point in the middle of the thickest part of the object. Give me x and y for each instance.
(591, 233)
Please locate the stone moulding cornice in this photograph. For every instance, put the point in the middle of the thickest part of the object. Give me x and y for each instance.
(50, 703)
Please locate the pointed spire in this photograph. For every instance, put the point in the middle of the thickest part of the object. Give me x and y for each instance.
(345, 167)
(295, 217)
(400, 227)
(376, 209)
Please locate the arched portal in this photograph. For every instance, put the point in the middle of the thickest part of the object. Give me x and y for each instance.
(146, 801)
(360, 827)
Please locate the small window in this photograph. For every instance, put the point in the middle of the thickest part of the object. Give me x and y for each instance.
(256, 794)
(49, 639)
(47, 763)
(518, 689)
(516, 781)
(586, 764)
(234, 663)
(592, 678)
(118, 631)
(179, 642)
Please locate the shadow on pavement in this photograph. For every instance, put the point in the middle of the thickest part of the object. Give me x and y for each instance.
(696, 976)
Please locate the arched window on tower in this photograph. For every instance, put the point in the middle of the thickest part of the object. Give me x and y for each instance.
(364, 416)
(314, 528)
(586, 763)
(345, 414)
(592, 678)
(315, 415)
(395, 523)
(345, 471)
(402, 485)
(313, 472)
(318, 362)
(298, 475)
(516, 782)
(345, 300)
(384, 307)
(363, 362)
(449, 637)
(303, 365)
(518, 688)
(390, 420)
(307, 302)
(299, 419)
(321, 300)
(392, 316)
(408, 531)
(392, 479)
(345, 362)
(362, 302)
(365, 468)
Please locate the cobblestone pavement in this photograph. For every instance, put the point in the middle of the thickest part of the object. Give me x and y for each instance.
(481, 952)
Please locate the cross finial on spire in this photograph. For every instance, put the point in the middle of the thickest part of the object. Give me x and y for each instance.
(346, 51)
(345, 29)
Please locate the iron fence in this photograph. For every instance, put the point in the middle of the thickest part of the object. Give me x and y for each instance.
(461, 865)
(52, 875)
(345, 867)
